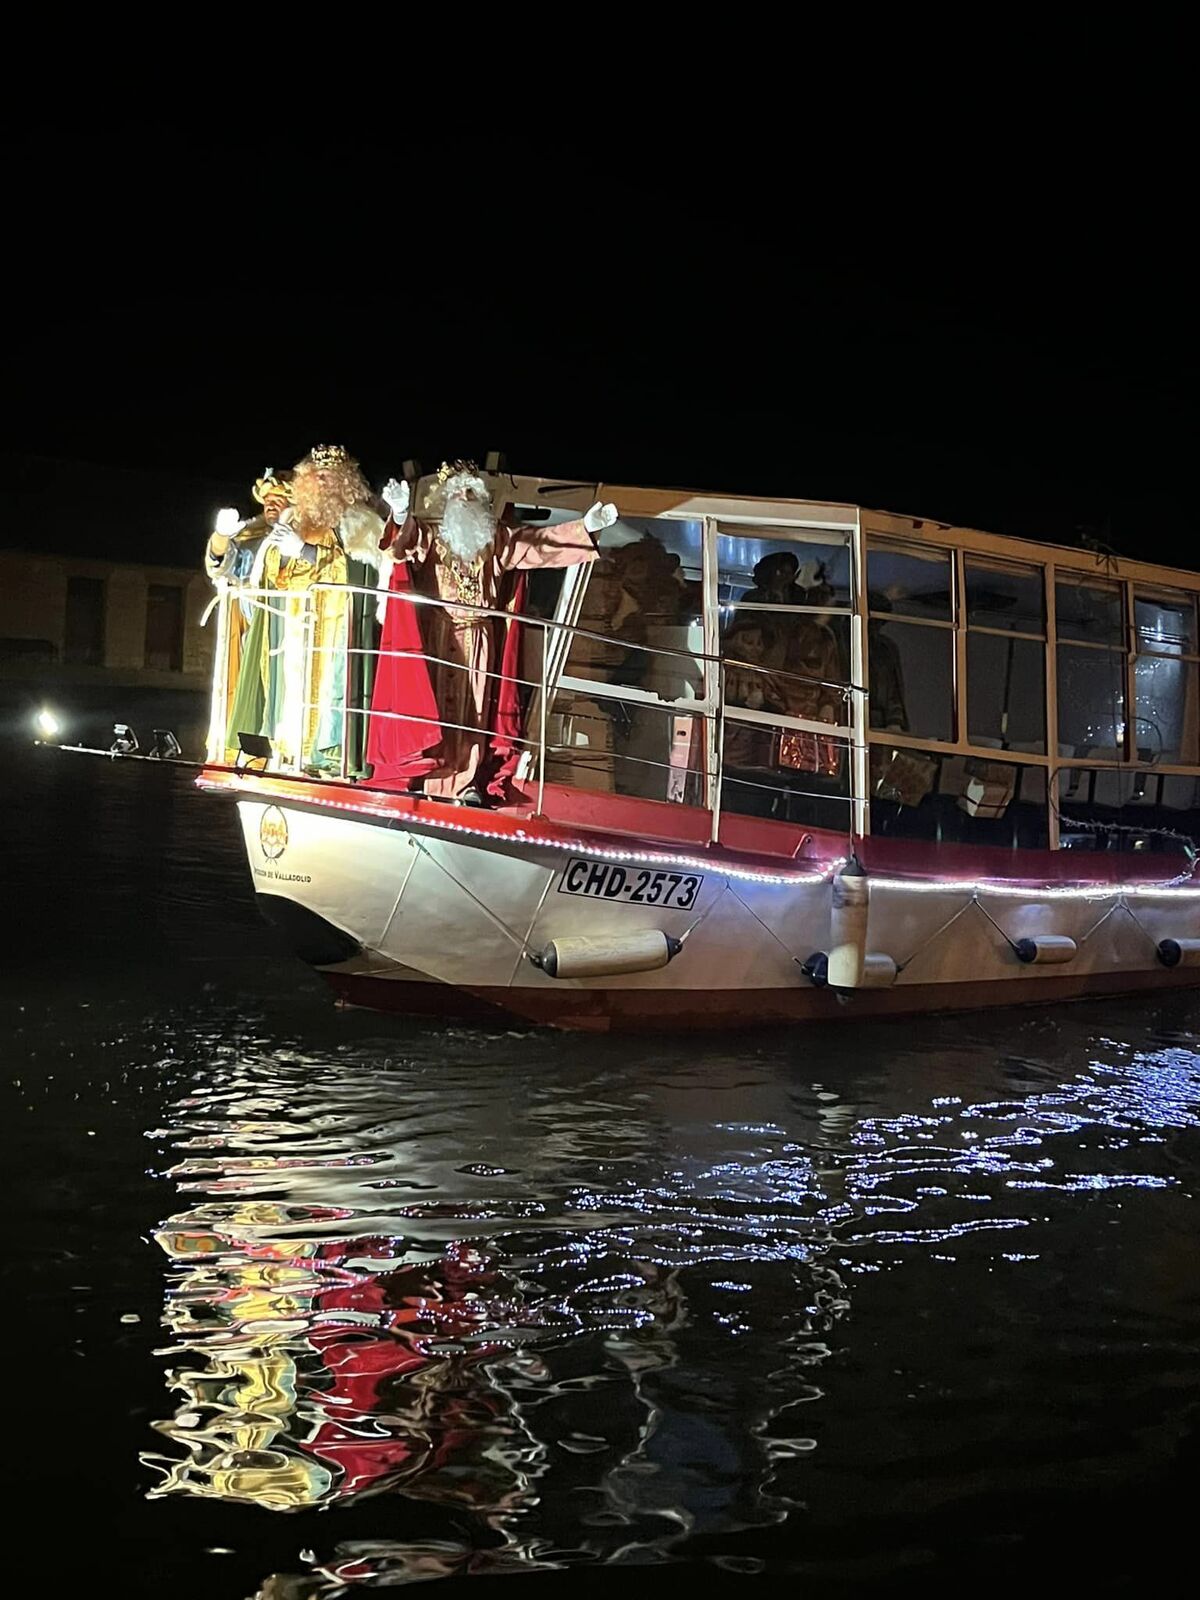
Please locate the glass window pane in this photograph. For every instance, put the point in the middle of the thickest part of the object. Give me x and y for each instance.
(785, 775)
(645, 590)
(912, 679)
(910, 582)
(918, 794)
(1166, 622)
(1090, 610)
(623, 747)
(1118, 809)
(1001, 594)
(1165, 728)
(766, 569)
(1006, 692)
(787, 661)
(1091, 700)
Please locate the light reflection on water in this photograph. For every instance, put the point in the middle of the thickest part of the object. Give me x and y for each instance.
(834, 1304)
(578, 1316)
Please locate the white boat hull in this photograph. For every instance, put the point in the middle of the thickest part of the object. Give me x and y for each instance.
(433, 916)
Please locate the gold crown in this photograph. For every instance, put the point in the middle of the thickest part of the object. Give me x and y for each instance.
(450, 469)
(272, 485)
(329, 455)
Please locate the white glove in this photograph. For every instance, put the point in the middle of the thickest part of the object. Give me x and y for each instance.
(601, 516)
(396, 494)
(383, 585)
(228, 523)
(289, 543)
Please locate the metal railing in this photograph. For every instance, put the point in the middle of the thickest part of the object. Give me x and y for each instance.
(295, 610)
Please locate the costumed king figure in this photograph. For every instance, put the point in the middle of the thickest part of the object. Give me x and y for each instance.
(453, 719)
(229, 561)
(303, 656)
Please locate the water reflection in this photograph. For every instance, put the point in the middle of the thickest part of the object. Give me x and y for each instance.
(581, 1316)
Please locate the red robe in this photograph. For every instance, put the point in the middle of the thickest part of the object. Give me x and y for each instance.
(471, 673)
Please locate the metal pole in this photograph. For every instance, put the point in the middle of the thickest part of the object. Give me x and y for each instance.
(541, 797)
(219, 702)
(719, 731)
(346, 660)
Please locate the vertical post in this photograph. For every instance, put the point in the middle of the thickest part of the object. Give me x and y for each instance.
(959, 613)
(712, 649)
(860, 667)
(719, 745)
(305, 674)
(219, 704)
(347, 659)
(541, 794)
(1130, 743)
(1051, 708)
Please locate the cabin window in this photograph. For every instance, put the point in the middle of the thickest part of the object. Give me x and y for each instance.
(785, 662)
(911, 640)
(954, 799)
(1165, 676)
(625, 747)
(1006, 656)
(1091, 666)
(618, 720)
(83, 631)
(1114, 808)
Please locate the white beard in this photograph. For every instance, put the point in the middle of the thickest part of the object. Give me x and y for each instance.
(361, 531)
(467, 528)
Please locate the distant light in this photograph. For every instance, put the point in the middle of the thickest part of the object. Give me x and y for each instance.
(48, 724)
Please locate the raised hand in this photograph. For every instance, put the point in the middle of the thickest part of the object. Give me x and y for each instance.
(602, 515)
(288, 542)
(397, 495)
(228, 522)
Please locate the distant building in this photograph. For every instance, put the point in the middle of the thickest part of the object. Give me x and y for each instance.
(78, 621)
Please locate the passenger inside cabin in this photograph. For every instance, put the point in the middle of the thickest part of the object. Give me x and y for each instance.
(775, 581)
(886, 703)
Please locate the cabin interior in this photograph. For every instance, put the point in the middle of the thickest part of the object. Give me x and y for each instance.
(836, 668)
(828, 667)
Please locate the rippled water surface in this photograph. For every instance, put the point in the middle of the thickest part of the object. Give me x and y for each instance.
(303, 1303)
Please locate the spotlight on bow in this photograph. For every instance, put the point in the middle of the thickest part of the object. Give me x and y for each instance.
(125, 743)
(48, 725)
(166, 746)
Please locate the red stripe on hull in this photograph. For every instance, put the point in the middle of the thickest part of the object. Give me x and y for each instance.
(674, 1010)
(581, 821)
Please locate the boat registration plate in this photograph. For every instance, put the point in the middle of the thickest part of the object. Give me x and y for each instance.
(634, 886)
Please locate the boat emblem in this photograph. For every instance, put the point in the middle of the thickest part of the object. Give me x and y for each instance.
(273, 833)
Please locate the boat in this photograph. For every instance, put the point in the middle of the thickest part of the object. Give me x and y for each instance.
(781, 761)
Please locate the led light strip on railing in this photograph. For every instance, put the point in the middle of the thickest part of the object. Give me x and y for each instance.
(573, 846)
(1011, 891)
(1175, 889)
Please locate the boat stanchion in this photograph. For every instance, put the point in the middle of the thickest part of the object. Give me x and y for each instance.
(599, 957)
(1047, 949)
(1179, 952)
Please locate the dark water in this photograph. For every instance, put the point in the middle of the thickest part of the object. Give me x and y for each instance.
(302, 1303)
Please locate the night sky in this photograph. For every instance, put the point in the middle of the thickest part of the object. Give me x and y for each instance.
(1002, 346)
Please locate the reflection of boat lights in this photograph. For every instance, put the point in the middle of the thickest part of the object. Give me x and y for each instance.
(48, 724)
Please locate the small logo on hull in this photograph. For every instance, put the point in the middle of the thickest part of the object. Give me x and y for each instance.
(273, 833)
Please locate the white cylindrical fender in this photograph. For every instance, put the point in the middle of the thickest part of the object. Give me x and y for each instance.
(605, 956)
(1179, 952)
(850, 906)
(1049, 949)
(879, 972)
